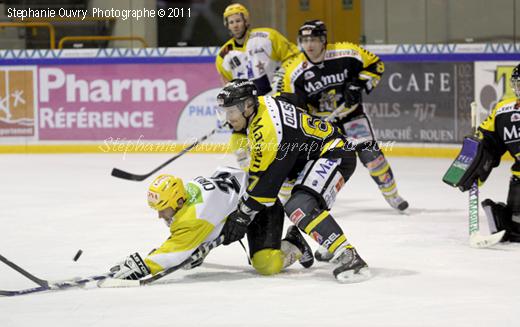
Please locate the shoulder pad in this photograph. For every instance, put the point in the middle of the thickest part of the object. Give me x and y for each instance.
(225, 49)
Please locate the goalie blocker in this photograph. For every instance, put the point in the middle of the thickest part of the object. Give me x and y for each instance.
(474, 162)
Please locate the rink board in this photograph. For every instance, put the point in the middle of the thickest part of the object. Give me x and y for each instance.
(161, 99)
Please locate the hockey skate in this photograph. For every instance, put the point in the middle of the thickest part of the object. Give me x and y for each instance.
(294, 237)
(322, 254)
(397, 202)
(351, 268)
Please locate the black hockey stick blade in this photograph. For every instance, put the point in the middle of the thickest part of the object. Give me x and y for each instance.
(129, 176)
(24, 272)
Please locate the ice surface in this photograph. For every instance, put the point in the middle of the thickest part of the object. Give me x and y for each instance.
(425, 274)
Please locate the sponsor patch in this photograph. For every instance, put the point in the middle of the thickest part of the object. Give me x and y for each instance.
(317, 237)
(17, 102)
(297, 216)
(153, 197)
(308, 75)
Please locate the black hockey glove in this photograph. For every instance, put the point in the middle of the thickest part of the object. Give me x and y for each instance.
(352, 93)
(235, 227)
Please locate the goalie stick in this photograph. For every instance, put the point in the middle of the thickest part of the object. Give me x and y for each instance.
(476, 240)
(45, 285)
(136, 177)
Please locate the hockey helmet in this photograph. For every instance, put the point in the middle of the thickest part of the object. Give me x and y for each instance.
(165, 191)
(515, 81)
(235, 8)
(236, 92)
(313, 28)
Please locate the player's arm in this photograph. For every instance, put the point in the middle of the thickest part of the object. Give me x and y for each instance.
(238, 144)
(480, 153)
(225, 75)
(283, 49)
(372, 71)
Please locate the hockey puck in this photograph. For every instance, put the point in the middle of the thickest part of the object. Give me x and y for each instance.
(78, 254)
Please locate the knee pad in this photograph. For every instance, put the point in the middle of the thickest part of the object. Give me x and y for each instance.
(513, 197)
(268, 261)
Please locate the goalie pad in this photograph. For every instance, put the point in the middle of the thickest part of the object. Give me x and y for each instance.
(473, 162)
(500, 218)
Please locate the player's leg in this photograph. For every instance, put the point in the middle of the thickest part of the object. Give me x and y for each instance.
(359, 131)
(269, 253)
(308, 208)
(513, 202)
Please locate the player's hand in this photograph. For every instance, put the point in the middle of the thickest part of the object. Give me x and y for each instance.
(132, 268)
(352, 93)
(235, 227)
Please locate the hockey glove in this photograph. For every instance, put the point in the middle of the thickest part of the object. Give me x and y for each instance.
(132, 268)
(235, 227)
(352, 93)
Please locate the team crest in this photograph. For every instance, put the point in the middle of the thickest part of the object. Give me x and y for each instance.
(515, 117)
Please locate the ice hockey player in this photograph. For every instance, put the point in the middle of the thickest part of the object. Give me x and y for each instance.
(195, 214)
(251, 53)
(331, 79)
(287, 142)
(499, 133)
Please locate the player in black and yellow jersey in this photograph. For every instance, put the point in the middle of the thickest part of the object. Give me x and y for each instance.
(331, 79)
(287, 142)
(498, 134)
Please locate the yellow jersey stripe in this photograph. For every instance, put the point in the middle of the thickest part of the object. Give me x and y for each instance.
(316, 221)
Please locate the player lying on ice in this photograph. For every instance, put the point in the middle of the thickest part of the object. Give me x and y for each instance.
(195, 214)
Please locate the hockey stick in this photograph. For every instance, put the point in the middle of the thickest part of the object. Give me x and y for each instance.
(136, 177)
(475, 239)
(24, 272)
(336, 111)
(201, 252)
(45, 285)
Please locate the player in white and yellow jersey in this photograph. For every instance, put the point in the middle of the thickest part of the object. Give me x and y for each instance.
(195, 214)
(287, 142)
(329, 77)
(252, 53)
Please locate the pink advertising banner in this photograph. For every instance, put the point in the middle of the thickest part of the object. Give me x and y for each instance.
(94, 102)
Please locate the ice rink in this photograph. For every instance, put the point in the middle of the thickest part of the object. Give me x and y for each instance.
(424, 272)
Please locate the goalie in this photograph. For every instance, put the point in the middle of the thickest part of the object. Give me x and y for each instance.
(195, 214)
(498, 133)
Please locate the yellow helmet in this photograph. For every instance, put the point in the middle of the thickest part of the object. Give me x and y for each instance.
(165, 191)
(236, 8)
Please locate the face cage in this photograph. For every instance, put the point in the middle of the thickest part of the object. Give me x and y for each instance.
(515, 85)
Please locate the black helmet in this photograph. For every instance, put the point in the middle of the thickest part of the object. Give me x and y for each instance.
(515, 81)
(236, 92)
(313, 28)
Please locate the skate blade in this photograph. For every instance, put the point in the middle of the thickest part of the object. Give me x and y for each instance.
(349, 276)
(115, 283)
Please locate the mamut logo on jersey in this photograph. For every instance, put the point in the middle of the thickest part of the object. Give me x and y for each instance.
(511, 134)
(17, 105)
(324, 81)
(112, 90)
